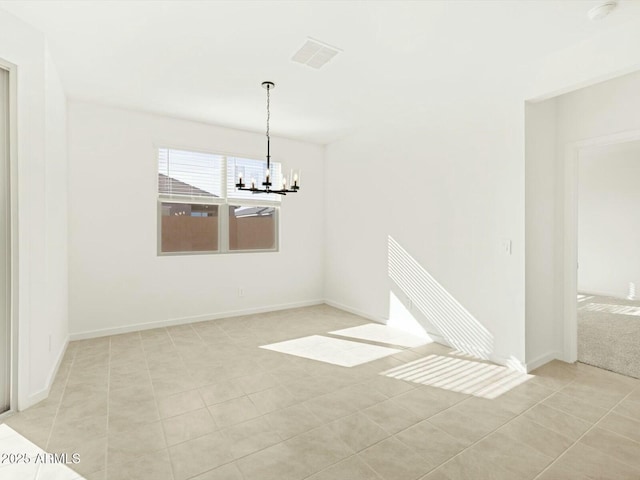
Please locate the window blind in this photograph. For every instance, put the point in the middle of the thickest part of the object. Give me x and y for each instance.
(183, 174)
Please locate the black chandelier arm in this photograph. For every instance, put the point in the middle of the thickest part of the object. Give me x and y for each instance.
(282, 191)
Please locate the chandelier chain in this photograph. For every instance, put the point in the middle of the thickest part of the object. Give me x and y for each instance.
(268, 109)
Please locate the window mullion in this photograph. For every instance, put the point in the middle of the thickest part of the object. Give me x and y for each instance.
(224, 228)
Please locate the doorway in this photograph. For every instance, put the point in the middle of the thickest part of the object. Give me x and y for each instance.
(5, 245)
(608, 236)
(589, 303)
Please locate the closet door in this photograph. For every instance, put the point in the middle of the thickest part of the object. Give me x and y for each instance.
(5, 311)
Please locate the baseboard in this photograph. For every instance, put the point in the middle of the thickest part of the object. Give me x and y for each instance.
(355, 311)
(433, 336)
(181, 321)
(44, 393)
(510, 362)
(542, 360)
(603, 294)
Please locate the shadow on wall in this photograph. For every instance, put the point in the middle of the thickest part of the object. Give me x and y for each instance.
(438, 307)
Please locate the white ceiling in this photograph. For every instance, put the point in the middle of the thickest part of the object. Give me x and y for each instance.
(205, 60)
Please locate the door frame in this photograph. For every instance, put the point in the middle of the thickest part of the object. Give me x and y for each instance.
(570, 233)
(12, 235)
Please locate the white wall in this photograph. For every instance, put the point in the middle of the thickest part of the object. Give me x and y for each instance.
(56, 214)
(447, 184)
(608, 219)
(117, 280)
(602, 109)
(541, 284)
(41, 209)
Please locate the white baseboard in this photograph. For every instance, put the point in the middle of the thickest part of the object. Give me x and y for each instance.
(602, 294)
(433, 336)
(542, 360)
(44, 393)
(180, 321)
(512, 363)
(355, 311)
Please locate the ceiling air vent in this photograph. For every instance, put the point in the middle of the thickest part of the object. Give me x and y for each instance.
(315, 53)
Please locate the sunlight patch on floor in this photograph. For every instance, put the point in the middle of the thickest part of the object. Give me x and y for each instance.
(33, 463)
(612, 308)
(382, 334)
(332, 350)
(459, 375)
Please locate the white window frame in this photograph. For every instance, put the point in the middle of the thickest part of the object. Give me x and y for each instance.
(223, 202)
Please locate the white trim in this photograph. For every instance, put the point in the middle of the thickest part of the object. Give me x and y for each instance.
(512, 363)
(570, 234)
(7, 414)
(13, 299)
(180, 321)
(44, 393)
(186, 199)
(433, 336)
(355, 311)
(437, 338)
(542, 360)
(602, 294)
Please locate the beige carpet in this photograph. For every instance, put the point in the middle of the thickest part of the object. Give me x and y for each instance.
(609, 333)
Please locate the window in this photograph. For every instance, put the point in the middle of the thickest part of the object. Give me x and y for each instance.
(252, 228)
(200, 210)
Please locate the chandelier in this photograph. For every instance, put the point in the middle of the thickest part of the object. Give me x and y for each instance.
(267, 185)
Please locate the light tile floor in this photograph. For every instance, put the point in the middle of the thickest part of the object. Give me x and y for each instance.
(204, 402)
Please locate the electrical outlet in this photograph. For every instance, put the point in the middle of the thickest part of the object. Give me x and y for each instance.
(240, 292)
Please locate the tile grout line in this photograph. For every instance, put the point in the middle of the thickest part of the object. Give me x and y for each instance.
(233, 461)
(155, 399)
(356, 453)
(391, 435)
(205, 405)
(571, 396)
(311, 429)
(55, 417)
(583, 435)
(363, 382)
(394, 434)
(491, 432)
(468, 397)
(262, 415)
